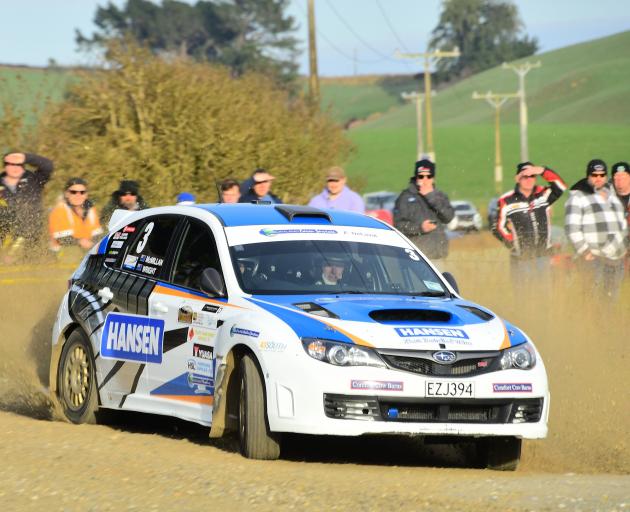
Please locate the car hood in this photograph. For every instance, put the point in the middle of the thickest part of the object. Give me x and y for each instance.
(392, 321)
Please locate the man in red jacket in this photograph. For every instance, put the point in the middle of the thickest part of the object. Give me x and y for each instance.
(524, 220)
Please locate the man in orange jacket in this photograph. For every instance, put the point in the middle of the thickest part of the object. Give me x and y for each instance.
(74, 220)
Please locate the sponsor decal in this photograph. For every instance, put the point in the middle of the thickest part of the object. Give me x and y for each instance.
(152, 260)
(433, 286)
(201, 334)
(117, 244)
(184, 315)
(202, 351)
(243, 332)
(200, 382)
(379, 385)
(129, 229)
(147, 270)
(442, 332)
(511, 387)
(130, 262)
(132, 338)
(120, 236)
(296, 231)
(272, 346)
(204, 319)
(211, 308)
(200, 367)
(110, 260)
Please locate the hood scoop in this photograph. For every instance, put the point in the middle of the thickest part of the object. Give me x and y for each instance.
(484, 315)
(386, 316)
(315, 309)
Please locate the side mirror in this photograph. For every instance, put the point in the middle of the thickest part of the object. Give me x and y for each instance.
(451, 280)
(212, 283)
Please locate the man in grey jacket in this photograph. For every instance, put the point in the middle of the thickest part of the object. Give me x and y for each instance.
(421, 212)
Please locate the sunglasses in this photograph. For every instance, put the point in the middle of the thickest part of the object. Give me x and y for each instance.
(11, 163)
(598, 175)
(128, 194)
(259, 182)
(333, 180)
(74, 192)
(424, 177)
(528, 176)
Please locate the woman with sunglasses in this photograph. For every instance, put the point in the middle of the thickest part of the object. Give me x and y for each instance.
(74, 221)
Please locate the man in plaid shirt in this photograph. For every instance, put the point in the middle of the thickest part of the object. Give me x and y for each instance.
(596, 226)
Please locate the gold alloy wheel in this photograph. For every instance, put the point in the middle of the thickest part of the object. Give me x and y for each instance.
(76, 378)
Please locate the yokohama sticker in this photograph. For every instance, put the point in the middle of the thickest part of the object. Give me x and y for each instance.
(379, 385)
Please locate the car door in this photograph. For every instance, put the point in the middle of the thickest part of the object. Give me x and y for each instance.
(184, 383)
(133, 334)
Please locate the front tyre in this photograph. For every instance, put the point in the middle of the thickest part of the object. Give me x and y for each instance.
(257, 442)
(76, 380)
(499, 453)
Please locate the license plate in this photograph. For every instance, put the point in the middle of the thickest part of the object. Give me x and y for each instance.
(450, 389)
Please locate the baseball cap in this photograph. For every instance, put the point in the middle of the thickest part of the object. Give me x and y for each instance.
(335, 173)
(261, 175)
(522, 166)
(596, 165)
(620, 167)
(424, 165)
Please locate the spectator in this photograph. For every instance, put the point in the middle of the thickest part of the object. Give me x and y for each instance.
(596, 226)
(621, 182)
(74, 220)
(260, 190)
(230, 191)
(336, 195)
(524, 221)
(127, 197)
(21, 201)
(185, 198)
(421, 211)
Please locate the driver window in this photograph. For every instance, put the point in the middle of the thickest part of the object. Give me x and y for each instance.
(198, 252)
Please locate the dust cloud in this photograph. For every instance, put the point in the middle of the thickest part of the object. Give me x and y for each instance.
(581, 341)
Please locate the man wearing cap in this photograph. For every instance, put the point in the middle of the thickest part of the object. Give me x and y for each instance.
(524, 220)
(74, 222)
(596, 226)
(621, 182)
(21, 200)
(260, 189)
(336, 195)
(127, 197)
(421, 211)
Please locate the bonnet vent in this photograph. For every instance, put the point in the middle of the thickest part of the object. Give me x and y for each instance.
(409, 315)
(484, 315)
(315, 309)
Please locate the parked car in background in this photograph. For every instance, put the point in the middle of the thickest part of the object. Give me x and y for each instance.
(467, 217)
(493, 212)
(380, 205)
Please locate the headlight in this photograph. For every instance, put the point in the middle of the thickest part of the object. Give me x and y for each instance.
(341, 354)
(522, 357)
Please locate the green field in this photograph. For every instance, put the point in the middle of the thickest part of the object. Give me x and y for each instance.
(579, 107)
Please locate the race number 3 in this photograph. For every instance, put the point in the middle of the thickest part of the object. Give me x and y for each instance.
(145, 237)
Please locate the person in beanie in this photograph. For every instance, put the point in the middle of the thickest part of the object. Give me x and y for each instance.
(596, 226)
(421, 211)
(127, 197)
(524, 220)
(74, 220)
(621, 181)
(337, 195)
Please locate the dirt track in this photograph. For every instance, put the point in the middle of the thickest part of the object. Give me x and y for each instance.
(152, 463)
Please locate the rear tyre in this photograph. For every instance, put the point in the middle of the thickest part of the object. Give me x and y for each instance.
(76, 380)
(499, 453)
(257, 442)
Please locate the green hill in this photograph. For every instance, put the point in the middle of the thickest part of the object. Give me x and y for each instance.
(579, 106)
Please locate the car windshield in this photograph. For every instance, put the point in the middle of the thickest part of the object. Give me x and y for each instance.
(327, 266)
(384, 202)
(462, 207)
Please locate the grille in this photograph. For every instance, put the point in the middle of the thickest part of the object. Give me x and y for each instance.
(422, 365)
(427, 411)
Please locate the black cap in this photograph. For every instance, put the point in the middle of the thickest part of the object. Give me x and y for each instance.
(75, 181)
(522, 166)
(596, 165)
(424, 166)
(128, 186)
(620, 167)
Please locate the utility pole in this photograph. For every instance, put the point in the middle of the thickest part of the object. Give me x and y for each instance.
(521, 70)
(312, 54)
(496, 101)
(354, 62)
(428, 58)
(418, 97)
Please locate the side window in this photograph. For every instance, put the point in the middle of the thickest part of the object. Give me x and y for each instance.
(198, 252)
(118, 243)
(149, 249)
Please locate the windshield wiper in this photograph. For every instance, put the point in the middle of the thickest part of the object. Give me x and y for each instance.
(350, 292)
(431, 294)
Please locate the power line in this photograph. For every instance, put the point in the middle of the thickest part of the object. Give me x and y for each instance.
(391, 27)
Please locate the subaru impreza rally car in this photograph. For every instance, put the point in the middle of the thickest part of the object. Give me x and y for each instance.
(267, 319)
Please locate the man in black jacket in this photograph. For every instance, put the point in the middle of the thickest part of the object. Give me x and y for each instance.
(21, 201)
(421, 212)
(127, 197)
(260, 188)
(524, 220)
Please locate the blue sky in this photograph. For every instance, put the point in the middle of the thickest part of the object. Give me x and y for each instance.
(36, 30)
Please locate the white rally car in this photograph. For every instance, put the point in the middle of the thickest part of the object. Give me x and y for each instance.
(268, 319)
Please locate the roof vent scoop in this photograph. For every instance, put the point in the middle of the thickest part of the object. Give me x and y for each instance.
(290, 212)
(394, 316)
